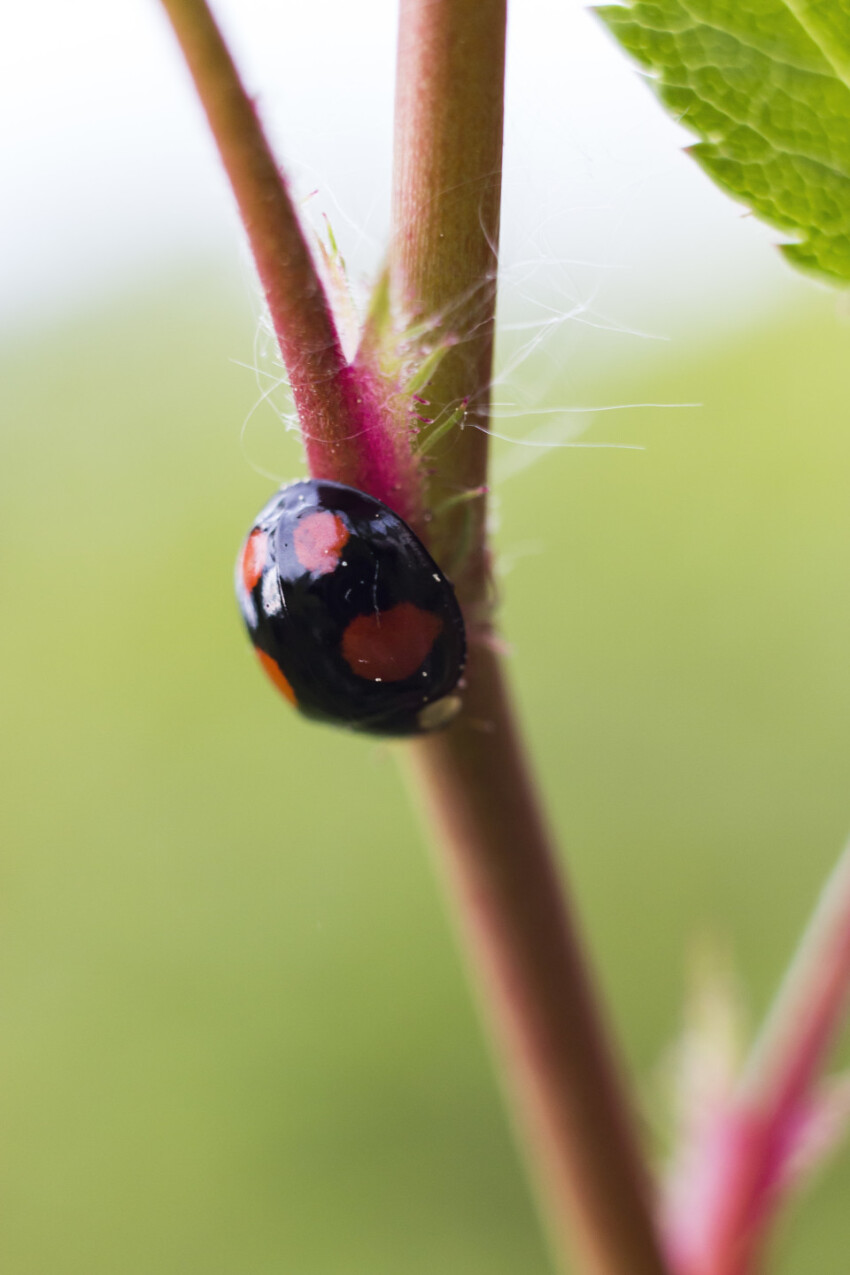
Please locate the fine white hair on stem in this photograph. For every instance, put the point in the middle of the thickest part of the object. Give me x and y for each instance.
(526, 451)
(361, 235)
(275, 381)
(507, 559)
(514, 410)
(552, 443)
(525, 336)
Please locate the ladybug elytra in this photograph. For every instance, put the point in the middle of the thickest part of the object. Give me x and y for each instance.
(351, 617)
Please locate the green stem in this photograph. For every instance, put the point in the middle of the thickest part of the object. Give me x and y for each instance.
(443, 257)
(494, 845)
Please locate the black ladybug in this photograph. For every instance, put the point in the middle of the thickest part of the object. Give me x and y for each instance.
(351, 617)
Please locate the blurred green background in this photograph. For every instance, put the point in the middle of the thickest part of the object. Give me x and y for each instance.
(237, 1037)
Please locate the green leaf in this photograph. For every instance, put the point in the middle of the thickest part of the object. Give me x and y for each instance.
(765, 85)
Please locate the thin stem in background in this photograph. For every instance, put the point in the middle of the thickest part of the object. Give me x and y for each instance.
(495, 848)
(775, 1099)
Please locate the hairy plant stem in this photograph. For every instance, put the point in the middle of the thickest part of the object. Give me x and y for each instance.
(345, 436)
(447, 183)
(493, 842)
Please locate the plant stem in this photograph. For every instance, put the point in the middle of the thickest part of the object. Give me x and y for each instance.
(494, 845)
(498, 856)
(776, 1089)
(443, 257)
(344, 434)
(808, 1009)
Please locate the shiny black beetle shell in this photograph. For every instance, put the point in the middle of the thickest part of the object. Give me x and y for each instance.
(350, 615)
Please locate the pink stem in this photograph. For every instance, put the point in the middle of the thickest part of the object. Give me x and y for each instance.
(346, 436)
(748, 1160)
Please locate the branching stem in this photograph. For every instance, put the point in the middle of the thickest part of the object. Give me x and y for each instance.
(494, 842)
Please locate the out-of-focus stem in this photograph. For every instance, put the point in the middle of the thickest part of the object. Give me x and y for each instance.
(343, 434)
(777, 1085)
(809, 1007)
(499, 860)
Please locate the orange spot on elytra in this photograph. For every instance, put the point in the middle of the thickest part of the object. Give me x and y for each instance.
(277, 677)
(388, 646)
(319, 540)
(254, 558)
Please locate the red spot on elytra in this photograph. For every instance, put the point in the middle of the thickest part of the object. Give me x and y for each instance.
(277, 677)
(254, 558)
(319, 540)
(388, 646)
